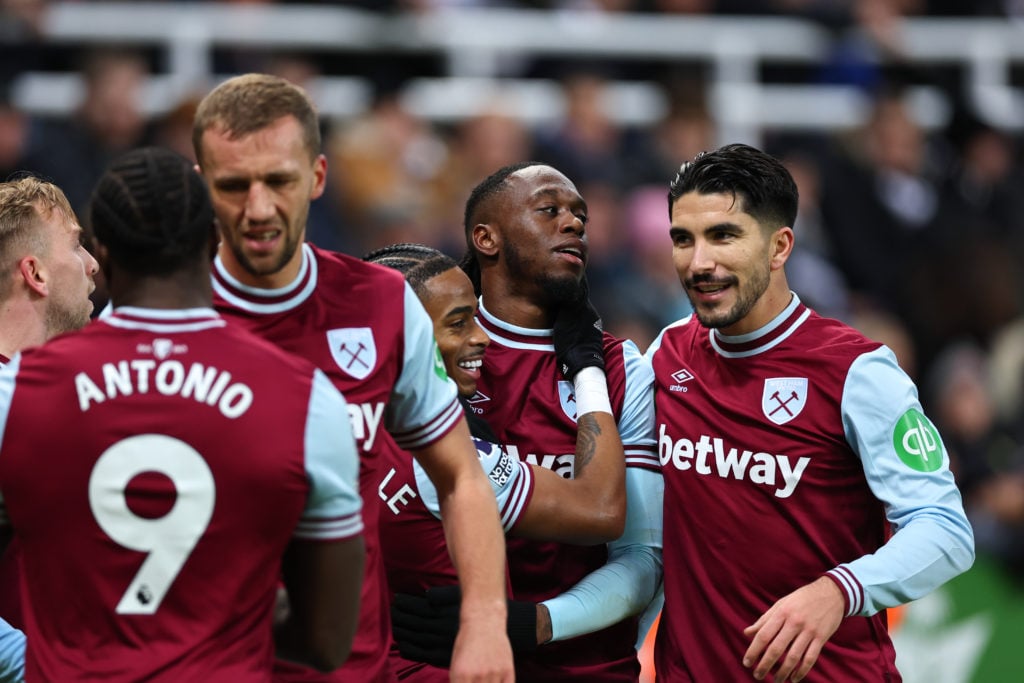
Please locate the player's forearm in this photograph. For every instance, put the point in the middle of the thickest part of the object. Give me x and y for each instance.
(477, 547)
(919, 558)
(629, 580)
(599, 472)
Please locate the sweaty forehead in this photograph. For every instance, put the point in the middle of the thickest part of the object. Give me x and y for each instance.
(535, 179)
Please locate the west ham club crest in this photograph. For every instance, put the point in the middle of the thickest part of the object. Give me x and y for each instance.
(783, 398)
(567, 397)
(353, 350)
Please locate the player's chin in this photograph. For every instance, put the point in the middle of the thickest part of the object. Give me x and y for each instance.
(466, 385)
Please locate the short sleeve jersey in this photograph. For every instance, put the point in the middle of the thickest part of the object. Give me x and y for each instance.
(531, 408)
(154, 467)
(363, 326)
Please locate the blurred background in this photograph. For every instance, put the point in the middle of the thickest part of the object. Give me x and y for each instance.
(900, 119)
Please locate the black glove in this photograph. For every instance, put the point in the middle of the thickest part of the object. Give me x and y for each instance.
(578, 335)
(425, 626)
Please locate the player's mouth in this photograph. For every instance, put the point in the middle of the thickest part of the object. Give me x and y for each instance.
(708, 292)
(577, 255)
(471, 366)
(262, 239)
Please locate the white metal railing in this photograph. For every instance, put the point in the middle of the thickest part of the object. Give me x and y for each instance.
(477, 43)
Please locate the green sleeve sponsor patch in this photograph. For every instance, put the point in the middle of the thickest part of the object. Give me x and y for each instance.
(917, 442)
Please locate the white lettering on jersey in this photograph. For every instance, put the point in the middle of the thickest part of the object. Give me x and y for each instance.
(365, 419)
(402, 496)
(204, 384)
(562, 465)
(761, 468)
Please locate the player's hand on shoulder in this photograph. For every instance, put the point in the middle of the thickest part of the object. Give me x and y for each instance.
(794, 630)
(577, 335)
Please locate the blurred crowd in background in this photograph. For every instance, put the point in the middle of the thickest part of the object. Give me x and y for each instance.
(915, 236)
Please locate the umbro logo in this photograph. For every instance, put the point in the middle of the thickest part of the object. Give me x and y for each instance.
(681, 376)
(478, 398)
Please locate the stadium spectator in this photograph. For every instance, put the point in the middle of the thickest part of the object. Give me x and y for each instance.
(170, 486)
(257, 140)
(109, 121)
(763, 442)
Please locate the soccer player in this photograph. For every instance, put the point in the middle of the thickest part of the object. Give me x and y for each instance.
(527, 249)
(806, 491)
(257, 141)
(191, 458)
(535, 502)
(48, 276)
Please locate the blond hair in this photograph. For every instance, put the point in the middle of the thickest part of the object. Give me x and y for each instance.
(24, 203)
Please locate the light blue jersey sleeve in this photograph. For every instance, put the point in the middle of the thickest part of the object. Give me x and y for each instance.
(907, 468)
(636, 423)
(511, 481)
(424, 401)
(8, 379)
(630, 580)
(332, 465)
(12, 654)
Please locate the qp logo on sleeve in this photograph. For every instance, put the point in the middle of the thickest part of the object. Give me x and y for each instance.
(917, 442)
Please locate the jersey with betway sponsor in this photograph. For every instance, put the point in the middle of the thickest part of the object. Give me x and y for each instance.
(787, 453)
(364, 327)
(154, 467)
(532, 410)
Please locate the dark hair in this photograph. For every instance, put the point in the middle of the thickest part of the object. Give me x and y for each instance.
(758, 180)
(417, 262)
(487, 188)
(152, 211)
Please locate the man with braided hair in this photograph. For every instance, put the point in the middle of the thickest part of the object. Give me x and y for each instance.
(534, 501)
(153, 553)
(257, 141)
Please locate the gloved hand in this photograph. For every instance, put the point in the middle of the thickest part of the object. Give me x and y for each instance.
(425, 626)
(578, 335)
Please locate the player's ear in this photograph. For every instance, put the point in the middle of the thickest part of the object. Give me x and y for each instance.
(485, 238)
(319, 176)
(34, 274)
(781, 247)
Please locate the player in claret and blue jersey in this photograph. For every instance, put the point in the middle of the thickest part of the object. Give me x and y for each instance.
(159, 466)
(805, 489)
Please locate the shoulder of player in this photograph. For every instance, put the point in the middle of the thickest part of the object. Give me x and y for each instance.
(356, 272)
(836, 337)
(252, 348)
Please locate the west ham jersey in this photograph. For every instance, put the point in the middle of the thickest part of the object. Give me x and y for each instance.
(362, 325)
(154, 468)
(415, 552)
(531, 408)
(786, 454)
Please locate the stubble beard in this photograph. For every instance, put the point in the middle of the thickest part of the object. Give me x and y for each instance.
(276, 265)
(61, 319)
(746, 298)
(555, 290)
